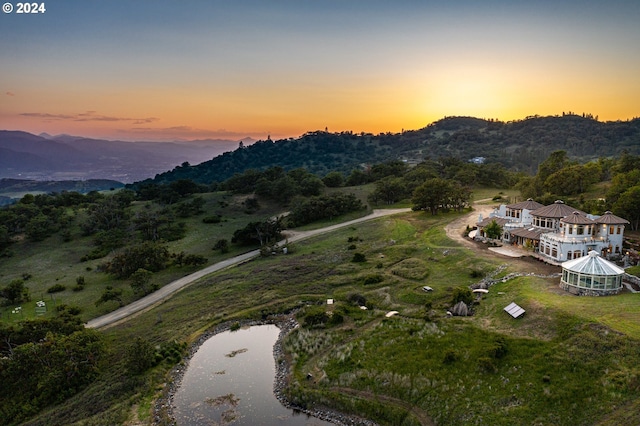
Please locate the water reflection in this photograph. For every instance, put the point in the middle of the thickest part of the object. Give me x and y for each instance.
(229, 381)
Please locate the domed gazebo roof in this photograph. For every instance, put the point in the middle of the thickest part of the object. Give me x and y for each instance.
(556, 210)
(577, 218)
(529, 204)
(609, 218)
(592, 264)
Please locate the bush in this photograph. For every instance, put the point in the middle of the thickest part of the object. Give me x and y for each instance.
(212, 219)
(450, 357)
(499, 348)
(56, 288)
(373, 279)
(357, 299)
(487, 365)
(358, 258)
(462, 294)
(222, 245)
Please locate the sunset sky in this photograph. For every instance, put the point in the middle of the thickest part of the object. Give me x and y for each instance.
(169, 69)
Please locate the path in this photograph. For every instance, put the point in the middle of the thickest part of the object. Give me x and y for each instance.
(170, 289)
(455, 231)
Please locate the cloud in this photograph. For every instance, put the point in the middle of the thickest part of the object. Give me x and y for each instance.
(87, 116)
(9, 93)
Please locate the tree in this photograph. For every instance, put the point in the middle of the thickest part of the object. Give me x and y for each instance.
(432, 195)
(493, 230)
(141, 282)
(15, 292)
(140, 356)
(222, 245)
(388, 190)
(39, 228)
(357, 177)
(628, 206)
(150, 255)
(268, 231)
(333, 179)
(110, 294)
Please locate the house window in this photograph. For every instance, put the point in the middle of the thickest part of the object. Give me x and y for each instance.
(554, 252)
(570, 229)
(619, 229)
(611, 229)
(580, 230)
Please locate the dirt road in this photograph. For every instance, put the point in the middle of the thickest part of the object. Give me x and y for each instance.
(455, 231)
(170, 289)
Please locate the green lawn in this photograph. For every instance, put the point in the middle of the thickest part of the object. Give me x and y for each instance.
(566, 353)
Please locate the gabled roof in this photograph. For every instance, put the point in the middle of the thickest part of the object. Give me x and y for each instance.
(531, 233)
(609, 218)
(592, 264)
(529, 205)
(576, 218)
(556, 210)
(487, 220)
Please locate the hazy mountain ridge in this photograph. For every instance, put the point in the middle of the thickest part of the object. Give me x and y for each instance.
(63, 157)
(518, 145)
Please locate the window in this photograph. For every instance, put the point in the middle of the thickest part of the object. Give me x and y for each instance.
(570, 229)
(611, 229)
(619, 229)
(580, 230)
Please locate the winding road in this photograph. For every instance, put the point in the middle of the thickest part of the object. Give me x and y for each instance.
(126, 312)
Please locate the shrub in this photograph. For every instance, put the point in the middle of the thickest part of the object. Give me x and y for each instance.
(462, 294)
(357, 299)
(487, 365)
(222, 245)
(56, 288)
(212, 219)
(352, 247)
(476, 273)
(499, 348)
(358, 258)
(450, 357)
(373, 279)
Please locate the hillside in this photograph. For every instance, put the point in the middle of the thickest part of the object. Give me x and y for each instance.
(518, 145)
(63, 157)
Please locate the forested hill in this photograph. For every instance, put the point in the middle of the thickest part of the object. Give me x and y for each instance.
(518, 145)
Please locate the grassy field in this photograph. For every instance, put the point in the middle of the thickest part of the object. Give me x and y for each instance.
(53, 261)
(570, 360)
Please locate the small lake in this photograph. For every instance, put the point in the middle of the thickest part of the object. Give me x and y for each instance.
(229, 381)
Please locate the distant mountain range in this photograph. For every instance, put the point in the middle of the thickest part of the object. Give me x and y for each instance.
(64, 157)
(518, 145)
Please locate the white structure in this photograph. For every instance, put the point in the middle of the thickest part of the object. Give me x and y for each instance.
(558, 231)
(591, 275)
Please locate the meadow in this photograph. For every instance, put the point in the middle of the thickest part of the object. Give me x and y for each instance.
(570, 360)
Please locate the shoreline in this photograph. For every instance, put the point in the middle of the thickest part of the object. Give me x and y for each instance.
(163, 407)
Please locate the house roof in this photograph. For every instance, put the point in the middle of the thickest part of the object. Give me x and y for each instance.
(576, 218)
(531, 233)
(487, 220)
(609, 218)
(529, 205)
(592, 264)
(556, 210)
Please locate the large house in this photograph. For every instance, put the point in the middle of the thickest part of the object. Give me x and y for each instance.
(557, 231)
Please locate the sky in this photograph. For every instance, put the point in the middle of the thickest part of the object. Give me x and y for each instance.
(170, 69)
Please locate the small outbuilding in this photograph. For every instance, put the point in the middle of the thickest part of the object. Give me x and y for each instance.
(591, 275)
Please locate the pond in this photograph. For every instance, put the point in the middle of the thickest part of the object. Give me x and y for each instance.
(229, 381)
